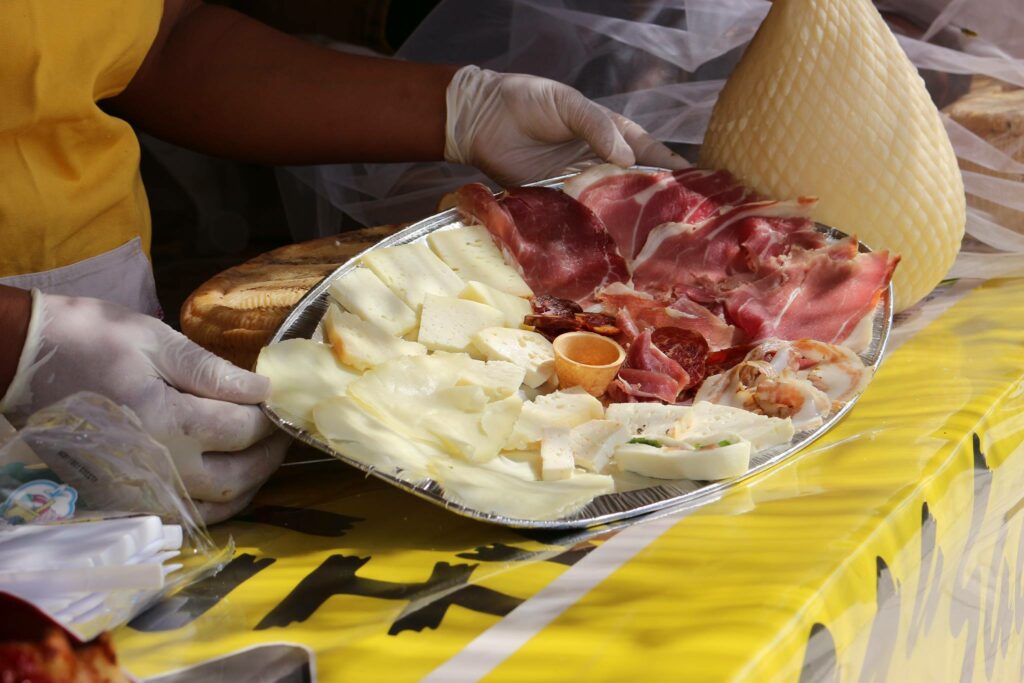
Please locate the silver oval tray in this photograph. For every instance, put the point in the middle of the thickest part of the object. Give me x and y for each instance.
(304, 322)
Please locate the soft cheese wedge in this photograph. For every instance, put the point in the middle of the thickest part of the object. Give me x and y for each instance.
(825, 103)
(448, 324)
(515, 308)
(362, 345)
(412, 272)
(556, 455)
(653, 420)
(593, 443)
(560, 409)
(361, 292)
(302, 373)
(524, 348)
(708, 464)
(705, 420)
(470, 251)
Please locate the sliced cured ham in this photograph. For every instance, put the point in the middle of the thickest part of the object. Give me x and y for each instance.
(632, 203)
(660, 365)
(822, 294)
(697, 259)
(637, 311)
(561, 247)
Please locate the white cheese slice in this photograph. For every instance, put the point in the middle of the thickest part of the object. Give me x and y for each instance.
(362, 437)
(566, 409)
(302, 373)
(556, 459)
(448, 324)
(470, 251)
(361, 292)
(594, 442)
(362, 345)
(653, 420)
(412, 272)
(513, 307)
(710, 464)
(523, 348)
(708, 419)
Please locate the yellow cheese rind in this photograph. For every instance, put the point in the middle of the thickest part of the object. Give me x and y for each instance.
(361, 292)
(470, 251)
(412, 272)
(825, 103)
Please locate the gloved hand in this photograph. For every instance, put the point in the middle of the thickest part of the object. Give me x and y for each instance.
(198, 405)
(518, 128)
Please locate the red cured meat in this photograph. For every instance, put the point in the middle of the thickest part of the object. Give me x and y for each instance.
(700, 259)
(821, 294)
(636, 312)
(632, 203)
(685, 347)
(649, 373)
(561, 247)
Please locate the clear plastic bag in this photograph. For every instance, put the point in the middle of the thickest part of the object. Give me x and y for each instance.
(87, 459)
(663, 63)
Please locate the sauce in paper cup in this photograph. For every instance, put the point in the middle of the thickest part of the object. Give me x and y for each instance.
(587, 360)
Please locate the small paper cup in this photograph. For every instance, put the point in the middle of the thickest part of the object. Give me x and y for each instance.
(588, 360)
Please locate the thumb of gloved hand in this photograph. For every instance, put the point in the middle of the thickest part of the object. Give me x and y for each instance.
(519, 128)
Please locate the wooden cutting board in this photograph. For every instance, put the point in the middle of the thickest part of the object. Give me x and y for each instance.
(234, 313)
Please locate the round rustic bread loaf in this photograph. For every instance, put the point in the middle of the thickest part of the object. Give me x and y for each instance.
(994, 111)
(234, 313)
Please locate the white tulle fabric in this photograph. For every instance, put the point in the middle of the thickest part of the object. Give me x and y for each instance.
(662, 64)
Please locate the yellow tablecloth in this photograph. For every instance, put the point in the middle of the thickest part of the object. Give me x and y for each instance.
(891, 550)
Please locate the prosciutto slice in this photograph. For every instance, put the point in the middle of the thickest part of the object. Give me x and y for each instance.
(633, 203)
(821, 294)
(637, 311)
(561, 247)
(701, 259)
(648, 374)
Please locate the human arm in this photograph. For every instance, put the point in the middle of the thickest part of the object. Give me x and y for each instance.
(222, 83)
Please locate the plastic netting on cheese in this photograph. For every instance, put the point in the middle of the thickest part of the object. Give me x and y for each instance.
(663, 63)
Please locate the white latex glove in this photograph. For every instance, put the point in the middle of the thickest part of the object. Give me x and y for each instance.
(200, 406)
(518, 128)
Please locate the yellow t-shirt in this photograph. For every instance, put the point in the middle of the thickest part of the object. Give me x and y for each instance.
(69, 173)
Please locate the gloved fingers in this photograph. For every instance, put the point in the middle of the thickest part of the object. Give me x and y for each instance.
(212, 513)
(648, 151)
(592, 123)
(227, 476)
(192, 369)
(218, 425)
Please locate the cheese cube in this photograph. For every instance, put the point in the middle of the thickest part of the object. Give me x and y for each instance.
(470, 251)
(565, 409)
(412, 272)
(448, 324)
(361, 292)
(593, 443)
(556, 460)
(515, 308)
(710, 464)
(708, 419)
(362, 345)
(648, 419)
(523, 348)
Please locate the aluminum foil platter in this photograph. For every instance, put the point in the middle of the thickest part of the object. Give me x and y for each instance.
(304, 322)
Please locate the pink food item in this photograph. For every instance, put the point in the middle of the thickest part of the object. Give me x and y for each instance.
(561, 247)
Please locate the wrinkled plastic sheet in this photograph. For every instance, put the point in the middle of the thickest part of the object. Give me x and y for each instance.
(115, 469)
(663, 63)
(892, 549)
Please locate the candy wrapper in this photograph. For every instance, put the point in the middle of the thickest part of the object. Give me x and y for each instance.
(95, 523)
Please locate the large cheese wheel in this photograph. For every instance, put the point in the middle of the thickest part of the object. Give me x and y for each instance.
(825, 103)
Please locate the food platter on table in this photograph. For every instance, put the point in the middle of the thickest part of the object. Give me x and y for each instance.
(632, 494)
